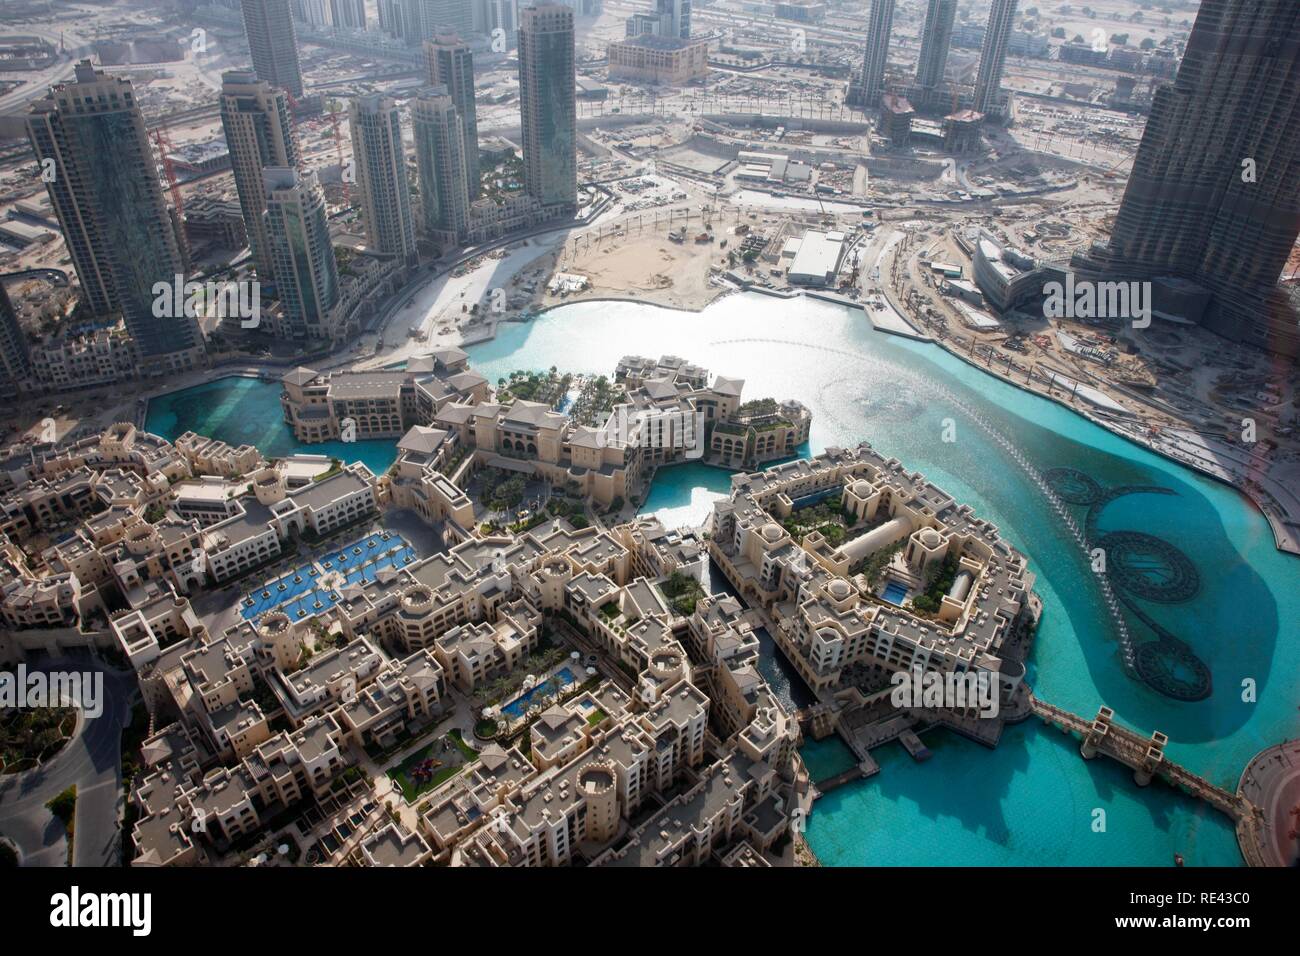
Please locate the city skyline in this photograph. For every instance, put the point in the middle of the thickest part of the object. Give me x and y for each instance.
(455, 433)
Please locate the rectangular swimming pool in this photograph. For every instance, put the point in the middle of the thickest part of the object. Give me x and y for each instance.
(548, 688)
(894, 593)
(298, 594)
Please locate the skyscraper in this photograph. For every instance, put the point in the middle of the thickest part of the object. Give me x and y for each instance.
(440, 159)
(450, 64)
(880, 23)
(400, 19)
(380, 163)
(348, 13)
(501, 15)
(104, 186)
(438, 16)
(993, 57)
(1214, 195)
(255, 116)
(670, 18)
(15, 361)
(547, 89)
(307, 275)
(936, 37)
(273, 44)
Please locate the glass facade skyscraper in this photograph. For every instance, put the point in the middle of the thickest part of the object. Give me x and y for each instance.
(273, 44)
(380, 161)
(1214, 195)
(105, 189)
(450, 64)
(255, 116)
(307, 274)
(547, 89)
(440, 159)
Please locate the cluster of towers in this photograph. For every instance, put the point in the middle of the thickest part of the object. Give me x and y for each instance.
(936, 37)
(90, 139)
(1214, 195)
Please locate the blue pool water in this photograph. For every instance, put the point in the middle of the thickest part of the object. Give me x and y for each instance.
(297, 593)
(246, 411)
(894, 593)
(1030, 800)
(862, 384)
(557, 681)
(683, 495)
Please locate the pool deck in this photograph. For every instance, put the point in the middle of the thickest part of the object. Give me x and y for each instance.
(356, 562)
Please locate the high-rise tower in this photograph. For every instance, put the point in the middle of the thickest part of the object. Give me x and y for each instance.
(993, 56)
(348, 13)
(440, 159)
(1214, 195)
(255, 116)
(936, 37)
(880, 23)
(273, 44)
(380, 163)
(547, 90)
(298, 239)
(450, 64)
(15, 360)
(90, 140)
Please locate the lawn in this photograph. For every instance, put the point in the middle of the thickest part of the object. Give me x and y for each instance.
(432, 765)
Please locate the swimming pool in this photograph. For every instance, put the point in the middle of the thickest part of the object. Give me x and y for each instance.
(894, 593)
(301, 593)
(556, 682)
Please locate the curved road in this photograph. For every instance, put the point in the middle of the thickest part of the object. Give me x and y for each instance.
(92, 761)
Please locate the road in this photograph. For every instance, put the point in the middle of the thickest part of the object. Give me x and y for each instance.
(91, 761)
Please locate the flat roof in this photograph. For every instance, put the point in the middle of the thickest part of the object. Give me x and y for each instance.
(819, 255)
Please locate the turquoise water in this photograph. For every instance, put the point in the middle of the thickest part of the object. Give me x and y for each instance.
(556, 682)
(895, 593)
(683, 495)
(246, 411)
(1030, 800)
(359, 561)
(900, 395)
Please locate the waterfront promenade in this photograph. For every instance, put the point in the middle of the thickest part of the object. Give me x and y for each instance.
(1271, 781)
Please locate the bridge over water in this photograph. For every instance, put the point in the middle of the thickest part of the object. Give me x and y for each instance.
(1145, 755)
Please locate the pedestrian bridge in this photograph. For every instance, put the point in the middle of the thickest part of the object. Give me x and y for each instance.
(1145, 755)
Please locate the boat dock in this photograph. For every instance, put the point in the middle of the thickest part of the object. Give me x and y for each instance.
(860, 771)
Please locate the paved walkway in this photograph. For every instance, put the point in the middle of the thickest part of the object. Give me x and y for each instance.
(92, 762)
(1271, 781)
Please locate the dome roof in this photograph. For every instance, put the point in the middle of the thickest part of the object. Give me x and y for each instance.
(772, 531)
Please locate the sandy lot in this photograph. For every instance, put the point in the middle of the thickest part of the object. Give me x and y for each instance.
(649, 268)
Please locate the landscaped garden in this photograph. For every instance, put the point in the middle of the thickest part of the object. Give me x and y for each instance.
(432, 764)
(549, 387)
(827, 516)
(682, 592)
(938, 583)
(30, 736)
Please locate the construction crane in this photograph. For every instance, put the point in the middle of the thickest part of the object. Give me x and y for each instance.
(165, 148)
